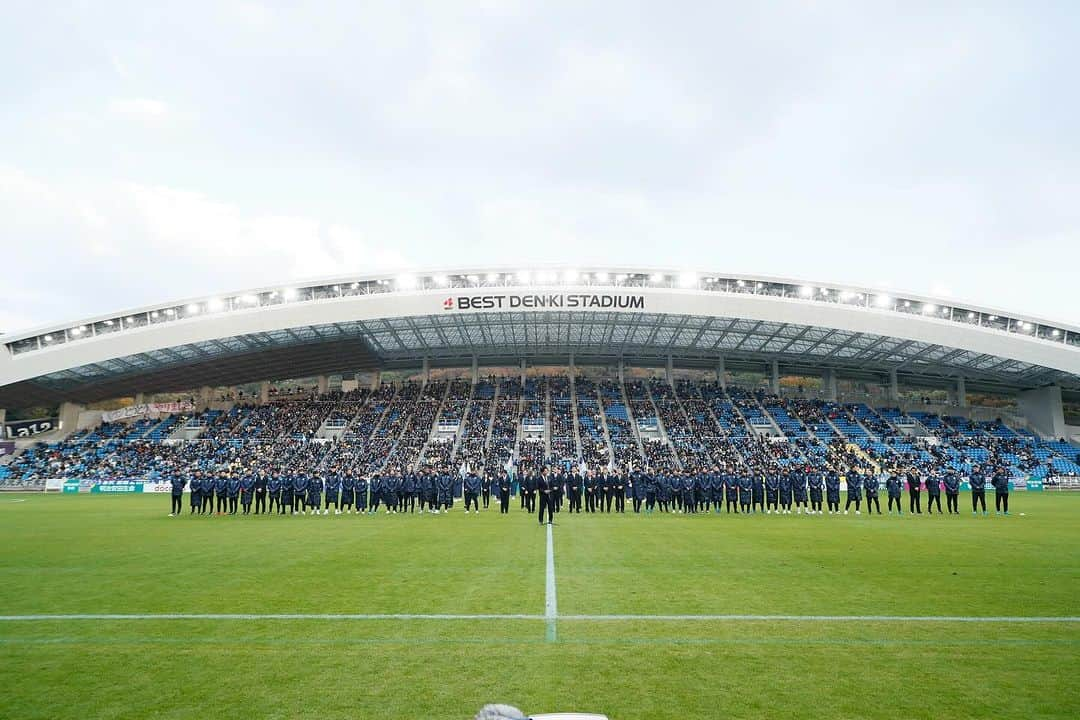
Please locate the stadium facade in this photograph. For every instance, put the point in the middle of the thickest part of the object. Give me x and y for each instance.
(554, 316)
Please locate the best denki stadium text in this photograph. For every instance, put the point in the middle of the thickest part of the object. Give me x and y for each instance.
(558, 300)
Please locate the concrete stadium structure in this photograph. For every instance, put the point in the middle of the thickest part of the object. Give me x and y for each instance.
(554, 316)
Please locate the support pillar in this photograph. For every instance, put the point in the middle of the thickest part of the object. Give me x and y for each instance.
(828, 384)
(3, 417)
(774, 378)
(206, 394)
(522, 372)
(622, 369)
(69, 417)
(669, 373)
(721, 373)
(376, 380)
(961, 392)
(572, 368)
(324, 384)
(140, 398)
(1042, 408)
(894, 387)
(427, 369)
(475, 370)
(264, 392)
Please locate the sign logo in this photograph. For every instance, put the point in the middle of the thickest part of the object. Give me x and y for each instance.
(558, 301)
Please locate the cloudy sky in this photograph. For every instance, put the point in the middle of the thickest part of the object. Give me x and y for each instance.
(151, 153)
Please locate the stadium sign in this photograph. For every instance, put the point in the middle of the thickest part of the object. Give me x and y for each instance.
(29, 428)
(546, 301)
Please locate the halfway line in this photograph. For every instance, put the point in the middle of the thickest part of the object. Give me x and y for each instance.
(550, 616)
(551, 611)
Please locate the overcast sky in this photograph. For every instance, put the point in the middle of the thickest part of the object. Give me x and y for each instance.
(150, 153)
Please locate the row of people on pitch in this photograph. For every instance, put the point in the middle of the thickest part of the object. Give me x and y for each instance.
(301, 493)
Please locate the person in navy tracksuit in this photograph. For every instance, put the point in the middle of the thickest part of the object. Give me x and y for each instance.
(1001, 493)
(854, 492)
(445, 489)
(409, 487)
(286, 505)
(348, 492)
(895, 489)
(933, 492)
(177, 492)
(247, 492)
(637, 488)
(817, 486)
(473, 486)
(746, 489)
(772, 491)
(233, 490)
(871, 483)
(832, 492)
(360, 485)
(333, 494)
(196, 493)
(221, 492)
(273, 487)
(758, 497)
(798, 490)
(785, 492)
(978, 491)
(314, 494)
(299, 492)
(952, 493)
(378, 492)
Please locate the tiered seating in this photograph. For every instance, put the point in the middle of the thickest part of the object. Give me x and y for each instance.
(393, 429)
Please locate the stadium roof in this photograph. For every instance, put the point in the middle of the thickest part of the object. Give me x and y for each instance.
(502, 316)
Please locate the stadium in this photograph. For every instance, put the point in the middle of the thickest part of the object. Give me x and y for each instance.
(615, 376)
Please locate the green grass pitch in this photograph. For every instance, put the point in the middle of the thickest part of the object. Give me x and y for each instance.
(89, 554)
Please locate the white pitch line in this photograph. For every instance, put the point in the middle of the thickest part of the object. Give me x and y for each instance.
(551, 609)
(546, 617)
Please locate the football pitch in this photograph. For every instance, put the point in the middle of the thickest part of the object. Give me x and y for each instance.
(111, 609)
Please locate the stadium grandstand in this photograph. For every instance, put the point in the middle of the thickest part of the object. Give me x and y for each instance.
(611, 367)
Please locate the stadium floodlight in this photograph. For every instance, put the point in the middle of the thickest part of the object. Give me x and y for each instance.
(657, 277)
(493, 277)
(48, 338)
(971, 315)
(928, 308)
(168, 311)
(547, 276)
(1022, 325)
(215, 305)
(249, 299)
(601, 277)
(688, 279)
(740, 283)
(882, 301)
(154, 314)
(441, 280)
(570, 276)
(406, 282)
(77, 331)
(473, 278)
(993, 318)
(907, 303)
(846, 295)
(354, 285)
(108, 322)
(524, 276)
(760, 285)
(289, 293)
(1056, 333)
(192, 309)
(806, 291)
